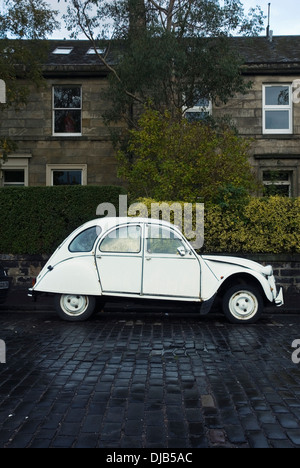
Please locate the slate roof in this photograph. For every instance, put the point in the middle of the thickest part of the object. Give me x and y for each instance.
(282, 49)
(78, 60)
(259, 54)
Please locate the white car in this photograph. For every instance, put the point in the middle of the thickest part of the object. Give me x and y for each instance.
(139, 258)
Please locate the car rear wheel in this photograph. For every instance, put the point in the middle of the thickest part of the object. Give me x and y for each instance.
(243, 304)
(74, 307)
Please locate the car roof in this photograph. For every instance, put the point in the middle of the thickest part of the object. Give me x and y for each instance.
(110, 222)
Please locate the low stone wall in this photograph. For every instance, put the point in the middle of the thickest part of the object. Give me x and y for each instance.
(286, 269)
(22, 268)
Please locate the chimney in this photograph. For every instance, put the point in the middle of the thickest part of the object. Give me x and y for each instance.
(269, 32)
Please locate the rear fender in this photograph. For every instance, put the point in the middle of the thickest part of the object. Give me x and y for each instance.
(77, 275)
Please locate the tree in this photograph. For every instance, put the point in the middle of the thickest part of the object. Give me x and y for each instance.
(172, 52)
(173, 159)
(22, 24)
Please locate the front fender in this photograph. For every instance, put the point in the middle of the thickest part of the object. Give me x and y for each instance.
(77, 275)
(262, 280)
(224, 272)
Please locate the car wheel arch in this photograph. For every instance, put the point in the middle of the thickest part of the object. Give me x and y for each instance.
(242, 279)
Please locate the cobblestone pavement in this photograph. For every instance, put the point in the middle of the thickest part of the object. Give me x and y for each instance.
(148, 380)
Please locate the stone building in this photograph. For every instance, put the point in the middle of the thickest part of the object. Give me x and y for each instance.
(62, 139)
(60, 135)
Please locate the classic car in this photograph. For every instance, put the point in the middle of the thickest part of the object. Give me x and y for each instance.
(142, 258)
(4, 285)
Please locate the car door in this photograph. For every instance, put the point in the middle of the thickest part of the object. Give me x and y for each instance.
(171, 267)
(119, 260)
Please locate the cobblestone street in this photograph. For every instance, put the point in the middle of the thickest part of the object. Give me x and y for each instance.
(148, 380)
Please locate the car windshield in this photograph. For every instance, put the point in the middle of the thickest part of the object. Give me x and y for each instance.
(84, 241)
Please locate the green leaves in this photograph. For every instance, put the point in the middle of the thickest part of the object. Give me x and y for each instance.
(179, 160)
(265, 225)
(35, 220)
(27, 19)
(20, 60)
(168, 51)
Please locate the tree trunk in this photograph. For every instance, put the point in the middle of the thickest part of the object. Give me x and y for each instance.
(137, 18)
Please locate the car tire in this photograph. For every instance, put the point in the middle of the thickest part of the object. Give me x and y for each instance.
(243, 304)
(74, 307)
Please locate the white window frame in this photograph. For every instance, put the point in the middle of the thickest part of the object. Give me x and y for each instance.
(274, 108)
(62, 50)
(50, 168)
(92, 51)
(15, 162)
(54, 109)
(199, 109)
(279, 183)
(13, 184)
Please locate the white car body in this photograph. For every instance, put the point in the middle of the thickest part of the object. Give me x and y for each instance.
(145, 258)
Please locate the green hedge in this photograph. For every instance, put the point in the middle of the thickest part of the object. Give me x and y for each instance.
(265, 225)
(35, 220)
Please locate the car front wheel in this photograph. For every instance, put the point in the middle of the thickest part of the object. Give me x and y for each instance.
(243, 304)
(74, 307)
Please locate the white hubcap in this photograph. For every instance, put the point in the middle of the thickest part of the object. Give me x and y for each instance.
(74, 305)
(243, 305)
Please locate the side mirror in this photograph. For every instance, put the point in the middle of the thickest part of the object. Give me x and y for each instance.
(181, 251)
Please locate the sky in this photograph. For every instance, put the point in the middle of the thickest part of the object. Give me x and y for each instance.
(285, 15)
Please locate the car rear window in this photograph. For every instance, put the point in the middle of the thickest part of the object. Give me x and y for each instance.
(85, 241)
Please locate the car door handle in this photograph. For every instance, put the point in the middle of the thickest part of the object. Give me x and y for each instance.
(148, 259)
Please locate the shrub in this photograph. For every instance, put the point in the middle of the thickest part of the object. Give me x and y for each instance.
(265, 225)
(167, 158)
(35, 220)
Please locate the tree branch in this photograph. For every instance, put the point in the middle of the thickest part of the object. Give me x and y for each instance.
(158, 7)
(87, 31)
(170, 15)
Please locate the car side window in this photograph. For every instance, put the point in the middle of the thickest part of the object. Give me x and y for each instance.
(125, 239)
(84, 241)
(162, 241)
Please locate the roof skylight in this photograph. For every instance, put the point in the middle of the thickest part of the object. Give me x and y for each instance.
(92, 51)
(62, 50)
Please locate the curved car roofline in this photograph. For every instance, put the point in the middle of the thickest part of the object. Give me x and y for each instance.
(108, 223)
(114, 221)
